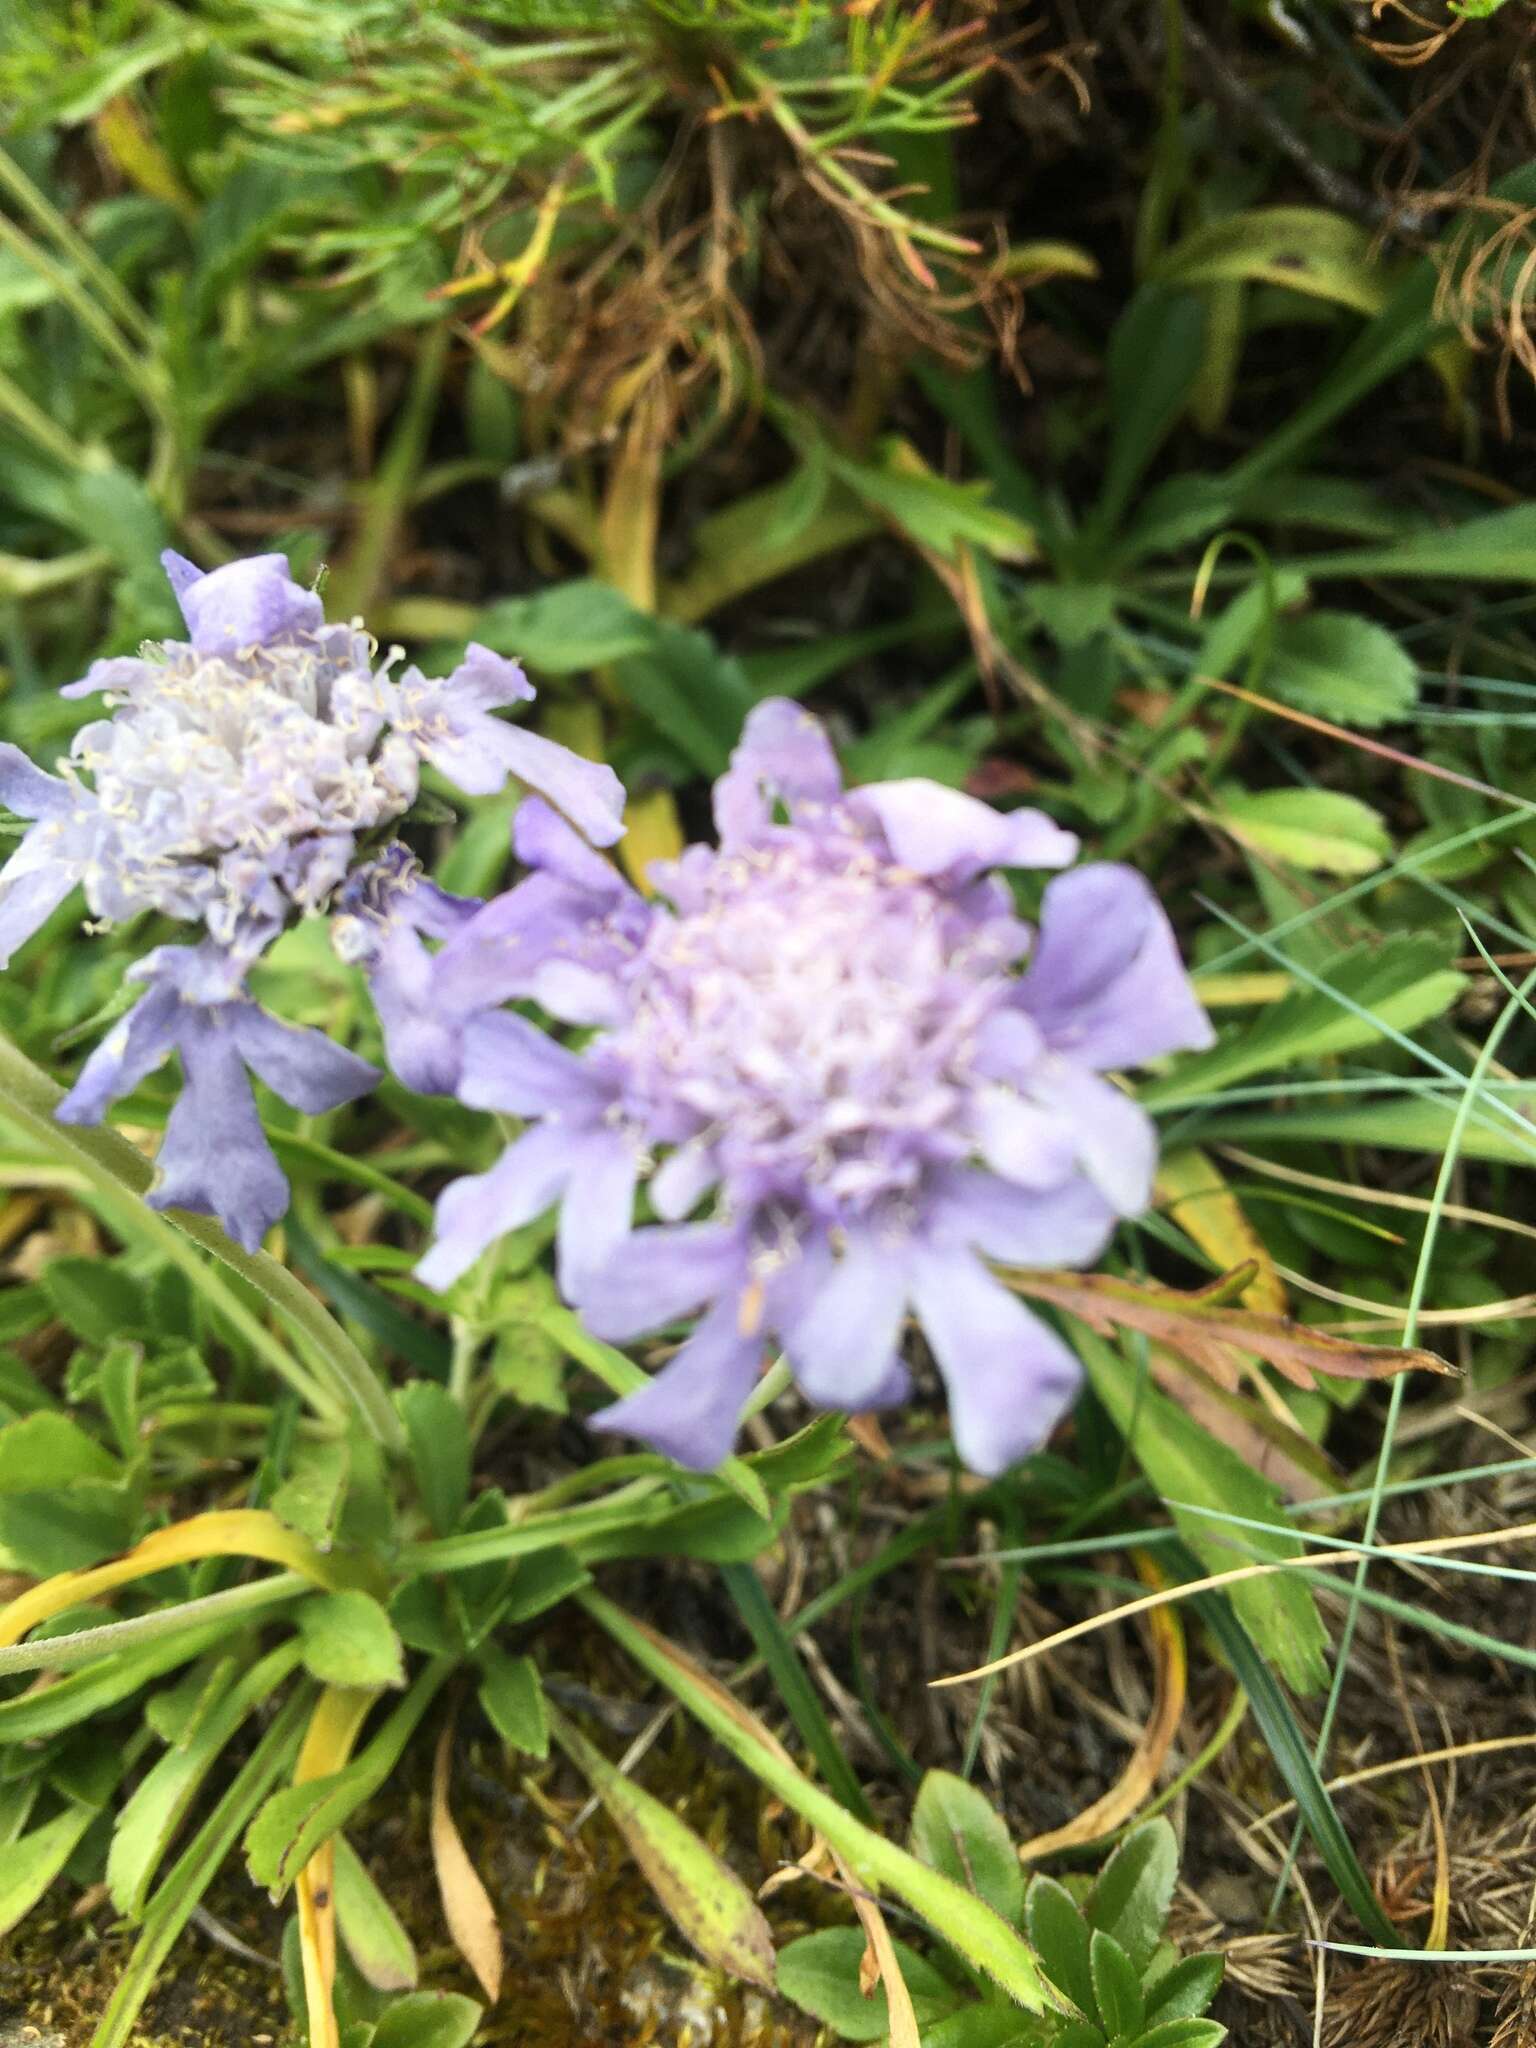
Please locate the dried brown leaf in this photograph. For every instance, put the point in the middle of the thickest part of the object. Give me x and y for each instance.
(466, 1904)
(1205, 1328)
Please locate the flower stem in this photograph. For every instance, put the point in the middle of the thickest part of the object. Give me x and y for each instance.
(337, 1379)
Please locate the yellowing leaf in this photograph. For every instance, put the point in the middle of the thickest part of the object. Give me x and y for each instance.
(333, 1729)
(1036, 261)
(1241, 991)
(1193, 1192)
(236, 1532)
(651, 832)
(124, 135)
(466, 1903)
(1133, 1787)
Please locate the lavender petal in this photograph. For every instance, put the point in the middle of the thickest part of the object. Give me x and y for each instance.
(1009, 1377)
(691, 1409)
(32, 886)
(214, 1158)
(307, 1069)
(937, 831)
(600, 1211)
(843, 1347)
(243, 605)
(1106, 984)
(512, 1066)
(1116, 1139)
(783, 756)
(473, 1212)
(486, 751)
(28, 791)
(131, 1050)
(1066, 1226)
(659, 1275)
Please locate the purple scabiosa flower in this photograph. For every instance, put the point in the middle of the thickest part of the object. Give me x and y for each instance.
(851, 1075)
(240, 778)
(239, 769)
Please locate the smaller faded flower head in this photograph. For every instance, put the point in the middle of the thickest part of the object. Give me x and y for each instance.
(239, 770)
(239, 781)
(850, 1074)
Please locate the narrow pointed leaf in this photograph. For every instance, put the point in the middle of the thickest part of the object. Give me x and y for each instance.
(706, 1900)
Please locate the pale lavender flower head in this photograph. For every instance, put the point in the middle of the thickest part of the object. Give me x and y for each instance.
(850, 1073)
(239, 769)
(239, 780)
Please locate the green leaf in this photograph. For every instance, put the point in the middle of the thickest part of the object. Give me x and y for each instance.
(567, 628)
(313, 1495)
(1399, 979)
(1496, 547)
(543, 1581)
(421, 1612)
(820, 1973)
(70, 1530)
(795, 1689)
(937, 513)
(1135, 1889)
(993, 2025)
(972, 1929)
(956, 1829)
(117, 1389)
(1407, 327)
(1189, 1466)
(195, 1869)
(1291, 1748)
(375, 1940)
(1187, 1989)
(1304, 248)
(723, 1530)
(148, 1823)
(1116, 1986)
(1341, 667)
(1321, 830)
(1061, 1938)
(512, 1694)
(1155, 355)
(349, 1640)
(428, 2019)
(1247, 622)
(438, 1438)
(528, 1364)
(84, 1694)
(693, 694)
(64, 1503)
(1078, 2034)
(34, 1860)
(706, 1900)
(1411, 1126)
(48, 1450)
(1183, 2034)
(95, 1298)
(295, 1821)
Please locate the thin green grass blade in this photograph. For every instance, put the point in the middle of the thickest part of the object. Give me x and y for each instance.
(794, 1687)
(1293, 1759)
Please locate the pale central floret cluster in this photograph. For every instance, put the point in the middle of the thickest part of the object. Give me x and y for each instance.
(224, 789)
(813, 1015)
